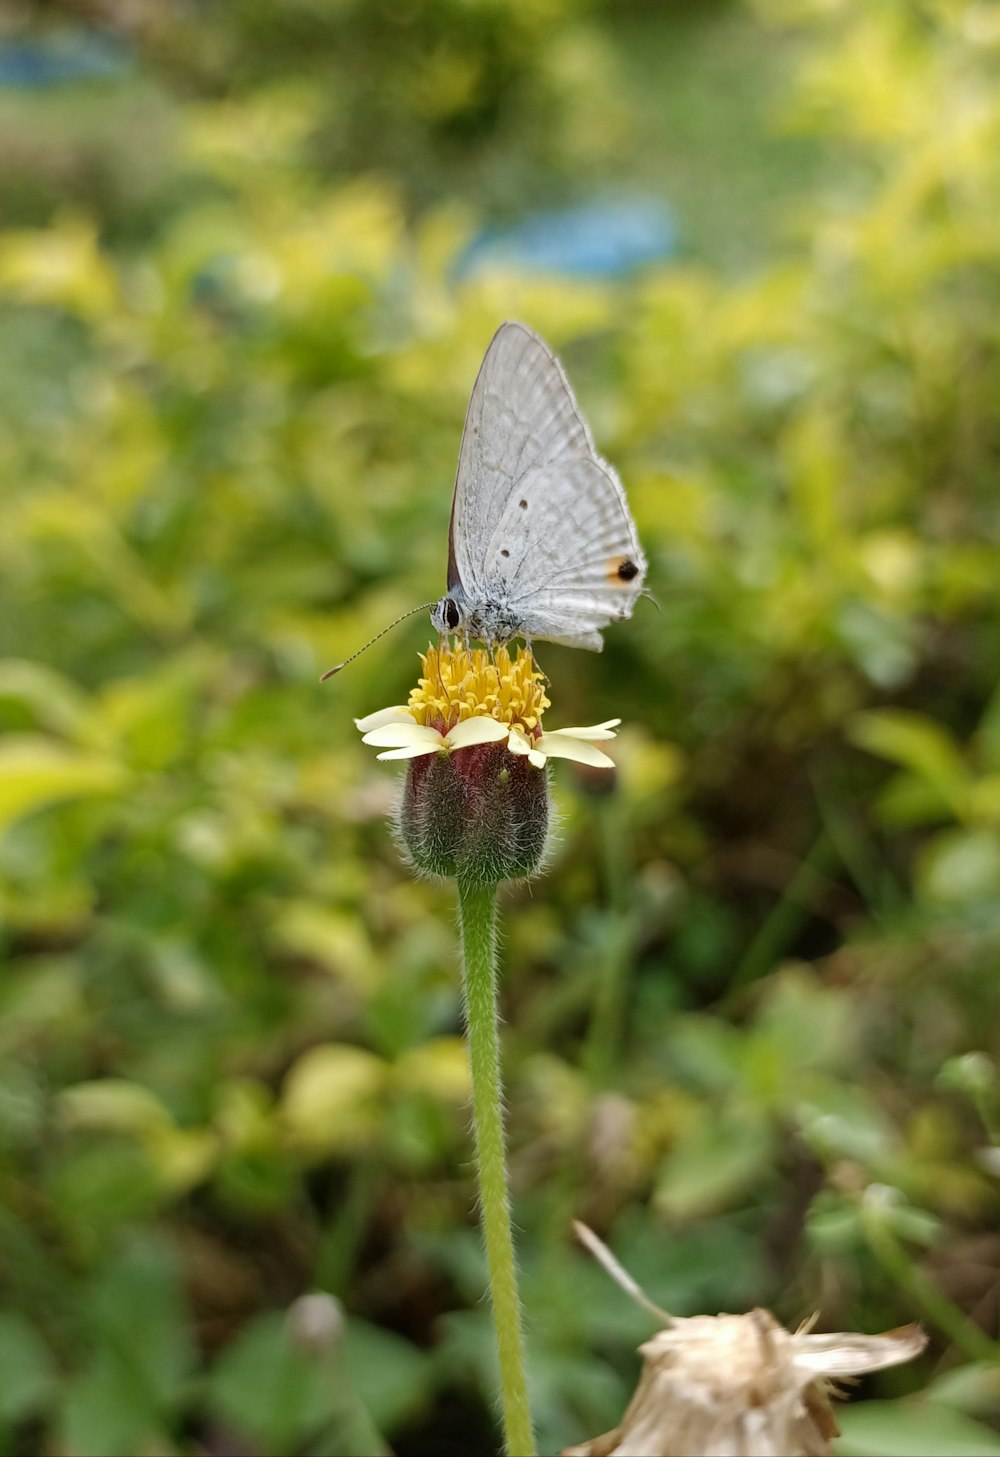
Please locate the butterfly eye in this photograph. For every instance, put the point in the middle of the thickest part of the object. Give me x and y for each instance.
(452, 616)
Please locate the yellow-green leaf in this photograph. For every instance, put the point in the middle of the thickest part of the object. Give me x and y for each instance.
(331, 1098)
(35, 772)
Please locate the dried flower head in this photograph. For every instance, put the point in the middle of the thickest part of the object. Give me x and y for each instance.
(737, 1385)
(475, 803)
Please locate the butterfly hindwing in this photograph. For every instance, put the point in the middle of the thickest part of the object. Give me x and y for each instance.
(564, 553)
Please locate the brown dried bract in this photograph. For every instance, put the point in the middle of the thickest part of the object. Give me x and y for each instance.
(739, 1385)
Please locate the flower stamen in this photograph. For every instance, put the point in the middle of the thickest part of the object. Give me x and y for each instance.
(459, 683)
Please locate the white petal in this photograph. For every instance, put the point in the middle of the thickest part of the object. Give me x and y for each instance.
(409, 751)
(534, 757)
(399, 714)
(476, 731)
(597, 733)
(401, 735)
(518, 742)
(555, 746)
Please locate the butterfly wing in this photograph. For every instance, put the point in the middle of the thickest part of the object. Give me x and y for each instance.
(540, 523)
(521, 415)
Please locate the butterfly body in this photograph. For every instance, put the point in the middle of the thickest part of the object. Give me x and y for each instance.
(494, 620)
(541, 543)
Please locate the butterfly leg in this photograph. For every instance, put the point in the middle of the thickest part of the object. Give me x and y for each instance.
(530, 651)
(538, 666)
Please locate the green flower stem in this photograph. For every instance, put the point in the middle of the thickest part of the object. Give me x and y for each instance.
(963, 1333)
(478, 914)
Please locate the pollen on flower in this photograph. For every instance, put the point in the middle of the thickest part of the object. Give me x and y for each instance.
(459, 683)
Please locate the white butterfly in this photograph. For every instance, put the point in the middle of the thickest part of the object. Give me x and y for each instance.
(541, 543)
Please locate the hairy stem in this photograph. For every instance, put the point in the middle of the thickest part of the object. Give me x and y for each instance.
(478, 912)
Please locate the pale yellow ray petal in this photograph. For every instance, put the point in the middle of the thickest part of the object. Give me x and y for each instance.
(518, 742)
(409, 751)
(554, 746)
(476, 731)
(597, 732)
(399, 714)
(401, 735)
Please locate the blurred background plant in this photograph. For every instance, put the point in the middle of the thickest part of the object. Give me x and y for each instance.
(752, 1015)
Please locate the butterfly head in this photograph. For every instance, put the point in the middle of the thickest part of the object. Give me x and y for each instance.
(448, 615)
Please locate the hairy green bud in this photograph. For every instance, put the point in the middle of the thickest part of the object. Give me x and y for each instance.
(480, 814)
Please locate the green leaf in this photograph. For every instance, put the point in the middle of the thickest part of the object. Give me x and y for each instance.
(571, 1393)
(960, 867)
(845, 1120)
(27, 1371)
(802, 1027)
(879, 641)
(104, 1409)
(48, 699)
(911, 1428)
(905, 800)
(331, 1098)
(915, 742)
(95, 1187)
(834, 1226)
(139, 1313)
(387, 1372)
(140, 1355)
(22, 1115)
(150, 716)
(113, 1104)
(974, 1389)
(269, 1390)
(712, 1166)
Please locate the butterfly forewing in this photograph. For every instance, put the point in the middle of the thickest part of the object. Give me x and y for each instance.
(521, 415)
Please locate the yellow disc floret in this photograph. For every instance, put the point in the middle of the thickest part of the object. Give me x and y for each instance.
(459, 683)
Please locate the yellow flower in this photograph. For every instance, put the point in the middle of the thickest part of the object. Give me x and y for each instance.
(465, 697)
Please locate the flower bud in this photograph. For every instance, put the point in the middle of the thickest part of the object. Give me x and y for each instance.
(476, 801)
(479, 813)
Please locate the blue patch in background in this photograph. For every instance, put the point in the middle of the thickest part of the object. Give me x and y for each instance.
(601, 239)
(61, 58)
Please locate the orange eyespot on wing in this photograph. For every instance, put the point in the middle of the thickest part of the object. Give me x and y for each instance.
(622, 569)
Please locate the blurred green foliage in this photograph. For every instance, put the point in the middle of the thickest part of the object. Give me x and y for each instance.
(753, 1012)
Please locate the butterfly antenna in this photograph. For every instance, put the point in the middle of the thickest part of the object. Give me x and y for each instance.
(424, 607)
(618, 1273)
(645, 592)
